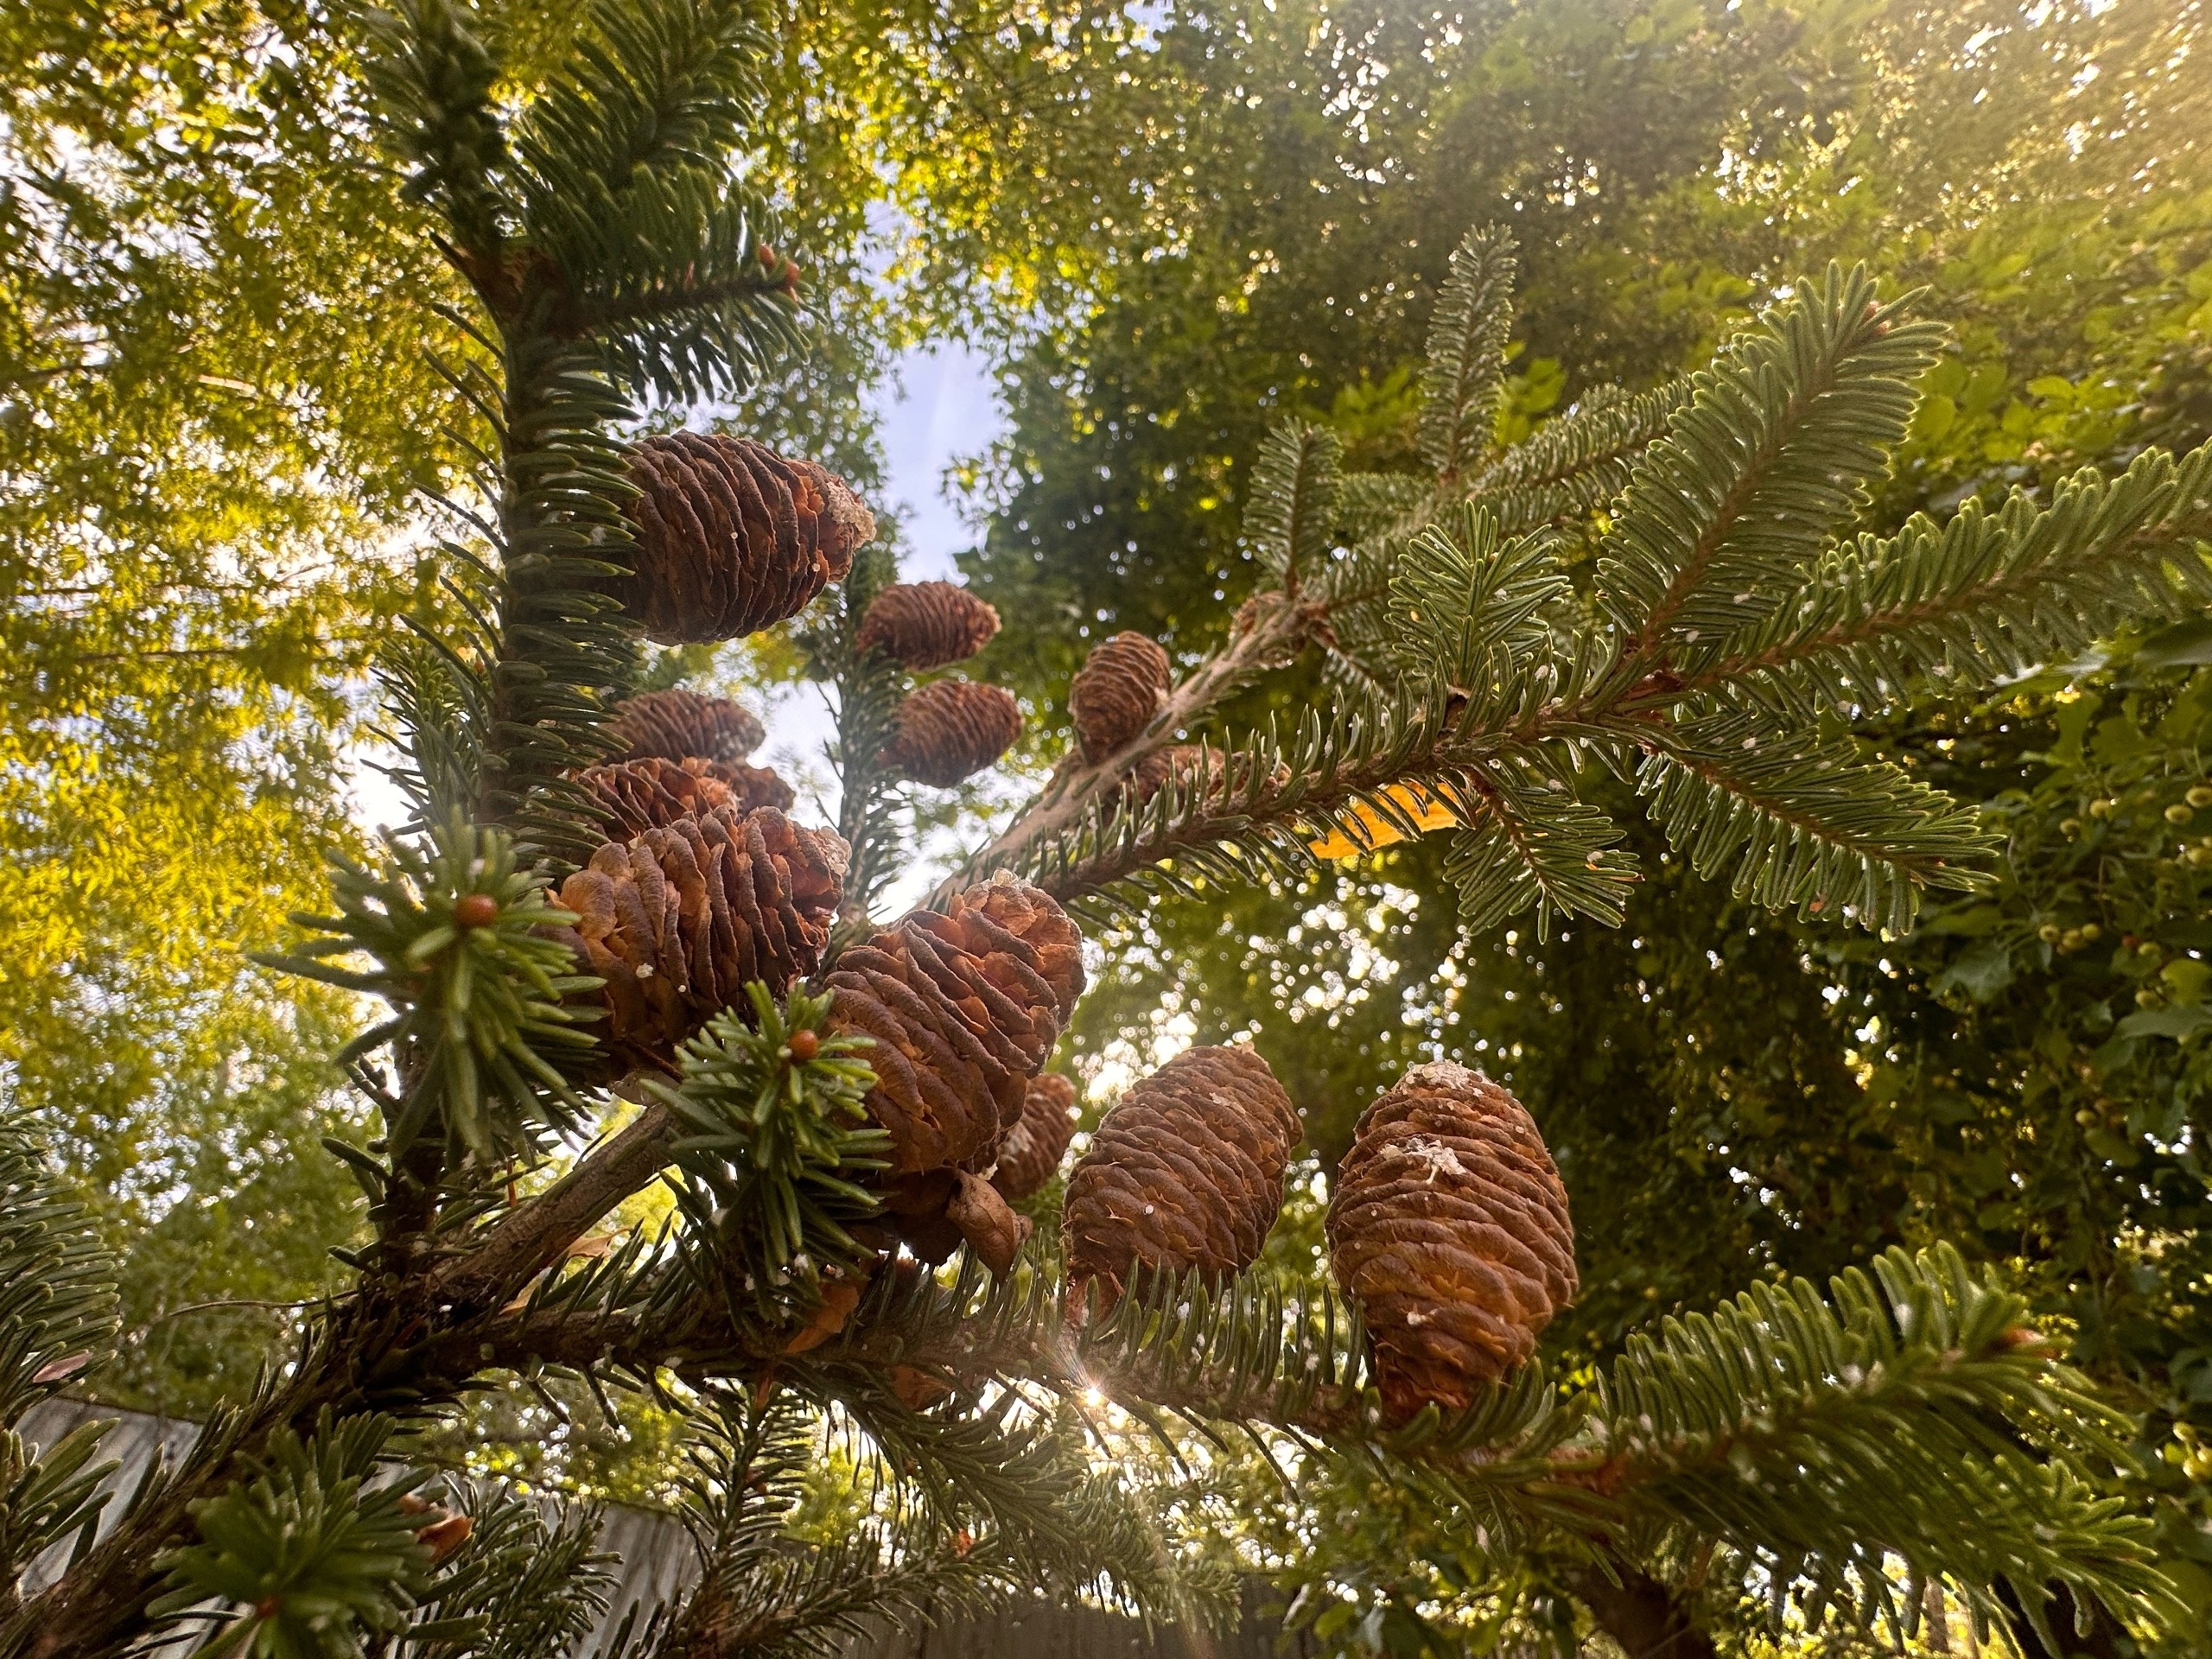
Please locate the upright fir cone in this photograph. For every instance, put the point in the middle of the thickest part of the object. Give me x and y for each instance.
(679, 918)
(964, 1009)
(949, 730)
(732, 538)
(1185, 1174)
(1031, 1154)
(925, 625)
(1449, 1227)
(1115, 693)
(630, 796)
(681, 725)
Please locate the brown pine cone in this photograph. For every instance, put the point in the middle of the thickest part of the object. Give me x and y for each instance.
(632, 797)
(949, 730)
(1031, 1154)
(1450, 1229)
(964, 1009)
(1184, 1173)
(678, 918)
(681, 725)
(924, 625)
(732, 538)
(1115, 693)
(750, 787)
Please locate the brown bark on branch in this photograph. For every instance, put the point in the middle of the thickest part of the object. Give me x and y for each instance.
(537, 1234)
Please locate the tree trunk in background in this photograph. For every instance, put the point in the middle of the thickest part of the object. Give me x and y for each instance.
(1641, 1613)
(2103, 1640)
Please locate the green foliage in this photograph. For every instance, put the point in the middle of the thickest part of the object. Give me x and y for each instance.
(305, 1556)
(478, 1002)
(525, 1584)
(1911, 1417)
(1762, 468)
(1728, 520)
(773, 1147)
(57, 1320)
(1463, 384)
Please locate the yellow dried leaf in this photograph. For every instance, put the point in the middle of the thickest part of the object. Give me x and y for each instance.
(1426, 809)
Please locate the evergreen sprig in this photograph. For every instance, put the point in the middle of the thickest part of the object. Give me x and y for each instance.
(57, 1318)
(530, 1582)
(1763, 468)
(305, 1555)
(1909, 1414)
(455, 932)
(775, 1144)
(1729, 627)
(1463, 384)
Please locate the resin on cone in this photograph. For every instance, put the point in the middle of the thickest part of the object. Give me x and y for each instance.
(1449, 1228)
(1184, 1173)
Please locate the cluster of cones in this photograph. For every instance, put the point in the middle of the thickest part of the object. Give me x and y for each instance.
(1448, 1225)
(703, 884)
(947, 730)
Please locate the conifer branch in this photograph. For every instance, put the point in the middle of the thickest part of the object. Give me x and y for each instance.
(1463, 383)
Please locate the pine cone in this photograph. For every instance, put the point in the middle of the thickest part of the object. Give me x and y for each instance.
(678, 918)
(964, 1009)
(632, 797)
(681, 725)
(1030, 1155)
(750, 787)
(1115, 693)
(950, 730)
(1184, 1173)
(1450, 1229)
(732, 538)
(925, 625)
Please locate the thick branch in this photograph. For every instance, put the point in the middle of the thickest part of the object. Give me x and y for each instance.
(537, 1234)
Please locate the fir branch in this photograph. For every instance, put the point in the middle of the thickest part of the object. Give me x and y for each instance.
(1907, 1415)
(1463, 386)
(455, 938)
(1762, 467)
(57, 1318)
(869, 686)
(1291, 509)
(304, 1551)
(1988, 595)
(775, 1144)
(1807, 825)
(528, 1583)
